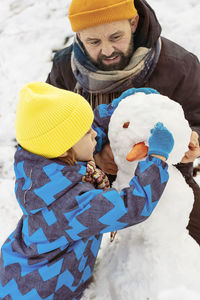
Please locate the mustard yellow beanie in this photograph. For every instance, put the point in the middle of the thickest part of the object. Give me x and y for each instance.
(49, 120)
(89, 13)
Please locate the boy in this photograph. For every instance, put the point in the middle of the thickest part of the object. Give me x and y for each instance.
(66, 203)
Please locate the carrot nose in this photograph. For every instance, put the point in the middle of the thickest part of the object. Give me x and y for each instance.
(138, 151)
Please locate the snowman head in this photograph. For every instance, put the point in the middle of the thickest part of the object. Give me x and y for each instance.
(136, 113)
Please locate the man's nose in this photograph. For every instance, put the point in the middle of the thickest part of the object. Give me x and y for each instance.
(107, 49)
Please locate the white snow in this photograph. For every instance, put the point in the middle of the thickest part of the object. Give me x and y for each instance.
(29, 31)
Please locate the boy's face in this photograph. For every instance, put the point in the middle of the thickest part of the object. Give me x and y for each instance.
(85, 147)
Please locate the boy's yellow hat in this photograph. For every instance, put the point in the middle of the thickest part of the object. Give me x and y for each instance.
(49, 120)
(89, 13)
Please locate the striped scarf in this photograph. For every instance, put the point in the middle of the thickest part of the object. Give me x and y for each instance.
(96, 176)
(99, 86)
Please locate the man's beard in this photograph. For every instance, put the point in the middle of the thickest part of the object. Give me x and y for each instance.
(124, 59)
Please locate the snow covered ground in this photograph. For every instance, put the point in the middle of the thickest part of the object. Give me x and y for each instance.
(30, 30)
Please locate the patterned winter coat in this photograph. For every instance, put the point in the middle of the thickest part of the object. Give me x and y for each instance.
(52, 252)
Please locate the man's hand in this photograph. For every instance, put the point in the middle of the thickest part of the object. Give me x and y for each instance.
(105, 160)
(194, 149)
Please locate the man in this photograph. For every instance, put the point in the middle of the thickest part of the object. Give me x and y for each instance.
(118, 45)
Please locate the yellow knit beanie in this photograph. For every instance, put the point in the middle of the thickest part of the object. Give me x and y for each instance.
(49, 120)
(89, 13)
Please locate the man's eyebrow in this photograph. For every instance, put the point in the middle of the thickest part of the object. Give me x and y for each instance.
(91, 39)
(96, 39)
(115, 33)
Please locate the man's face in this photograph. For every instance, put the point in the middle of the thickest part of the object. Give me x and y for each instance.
(109, 46)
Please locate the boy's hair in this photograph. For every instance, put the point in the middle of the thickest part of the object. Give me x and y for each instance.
(70, 158)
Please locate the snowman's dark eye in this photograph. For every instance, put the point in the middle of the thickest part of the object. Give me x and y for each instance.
(126, 124)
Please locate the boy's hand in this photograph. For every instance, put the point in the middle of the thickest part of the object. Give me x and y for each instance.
(194, 149)
(161, 141)
(105, 160)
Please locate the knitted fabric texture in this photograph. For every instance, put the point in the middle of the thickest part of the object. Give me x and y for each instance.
(49, 120)
(90, 13)
(161, 141)
(96, 176)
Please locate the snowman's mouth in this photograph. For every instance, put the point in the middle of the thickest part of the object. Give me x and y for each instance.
(138, 152)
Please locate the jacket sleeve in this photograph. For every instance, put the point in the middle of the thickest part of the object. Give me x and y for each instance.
(189, 87)
(61, 74)
(105, 211)
(103, 113)
(55, 76)
(177, 75)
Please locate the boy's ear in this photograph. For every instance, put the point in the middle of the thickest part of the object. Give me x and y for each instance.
(64, 154)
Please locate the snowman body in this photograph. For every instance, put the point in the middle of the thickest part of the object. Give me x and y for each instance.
(156, 259)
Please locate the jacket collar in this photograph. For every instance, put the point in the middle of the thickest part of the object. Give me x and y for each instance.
(149, 29)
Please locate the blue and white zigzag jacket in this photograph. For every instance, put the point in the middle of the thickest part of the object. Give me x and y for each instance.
(52, 252)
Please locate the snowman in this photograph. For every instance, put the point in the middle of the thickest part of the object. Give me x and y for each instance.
(156, 259)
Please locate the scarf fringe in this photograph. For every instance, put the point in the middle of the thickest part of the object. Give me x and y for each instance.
(96, 99)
